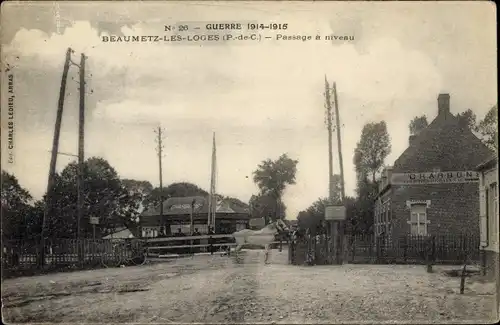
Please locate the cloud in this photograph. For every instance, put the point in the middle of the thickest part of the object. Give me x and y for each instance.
(261, 100)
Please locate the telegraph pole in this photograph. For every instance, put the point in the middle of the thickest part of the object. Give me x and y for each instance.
(333, 224)
(337, 120)
(53, 158)
(160, 152)
(328, 107)
(342, 243)
(81, 147)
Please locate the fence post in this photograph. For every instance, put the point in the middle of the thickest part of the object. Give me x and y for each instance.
(429, 255)
(290, 247)
(370, 253)
(353, 247)
(462, 279)
(377, 249)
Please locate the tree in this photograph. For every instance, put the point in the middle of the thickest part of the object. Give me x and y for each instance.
(144, 188)
(418, 124)
(372, 149)
(304, 220)
(104, 196)
(265, 206)
(15, 207)
(488, 128)
(315, 213)
(272, 178)
(351, 226)
(140, 190)
(468, 119)
(182, 189)
(363, 212)
(236, 201)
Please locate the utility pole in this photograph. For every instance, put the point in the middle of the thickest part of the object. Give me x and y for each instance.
(337, 120)
(81, 147)
(328, 106)
(212, 200)
(334, 226)
(53, 158)
(160, 153)
(341, 224)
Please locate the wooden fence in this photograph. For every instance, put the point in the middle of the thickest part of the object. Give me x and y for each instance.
(442, 249)
(23, 254)
(203, 244)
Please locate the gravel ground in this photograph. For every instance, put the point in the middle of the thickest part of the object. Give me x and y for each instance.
(221, 290)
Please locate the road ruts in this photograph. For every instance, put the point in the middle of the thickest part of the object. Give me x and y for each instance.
(239, 301)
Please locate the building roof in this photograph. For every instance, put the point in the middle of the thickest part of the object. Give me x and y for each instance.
(444, 143)
(488, 164)
(183, 205)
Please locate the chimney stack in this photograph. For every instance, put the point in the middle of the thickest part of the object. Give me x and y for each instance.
(443, 104)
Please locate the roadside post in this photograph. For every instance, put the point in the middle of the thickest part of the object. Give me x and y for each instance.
(334, 216)
(94, 221)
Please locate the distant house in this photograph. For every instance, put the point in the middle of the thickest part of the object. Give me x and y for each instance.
(120, 234)
(489, 223)
(433, 186)
(257, 223)
(230, 216)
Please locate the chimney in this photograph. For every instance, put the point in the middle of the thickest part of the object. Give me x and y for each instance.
(411, 139)
(443, 104)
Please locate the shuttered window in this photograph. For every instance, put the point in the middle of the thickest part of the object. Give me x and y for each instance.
(186, 228)
(484, 196)
(418, 220)
(492, 210)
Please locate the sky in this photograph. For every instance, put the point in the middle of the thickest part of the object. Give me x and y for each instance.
(262, 99)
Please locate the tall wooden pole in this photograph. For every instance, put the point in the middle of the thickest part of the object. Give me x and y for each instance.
(332, 225)
(53, 158)
(191, 219)
(328, 107)
(160, 153)
(212, 200)
(340, 225)
(337, 120)
(81, 144)
(81, 157)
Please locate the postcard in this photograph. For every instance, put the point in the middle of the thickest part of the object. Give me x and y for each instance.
(249, 162)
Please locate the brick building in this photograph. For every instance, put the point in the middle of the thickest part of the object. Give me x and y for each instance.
(433, 186)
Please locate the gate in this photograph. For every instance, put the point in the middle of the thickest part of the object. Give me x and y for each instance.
(312, 250)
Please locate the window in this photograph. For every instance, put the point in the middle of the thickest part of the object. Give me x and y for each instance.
(418, 220)
(493, 200)
(491, 207)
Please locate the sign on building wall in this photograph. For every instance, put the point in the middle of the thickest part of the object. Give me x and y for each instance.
(186, 206)
(435, 178)
(335, 212)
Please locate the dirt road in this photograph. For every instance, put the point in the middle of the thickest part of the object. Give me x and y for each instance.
(218, 289)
